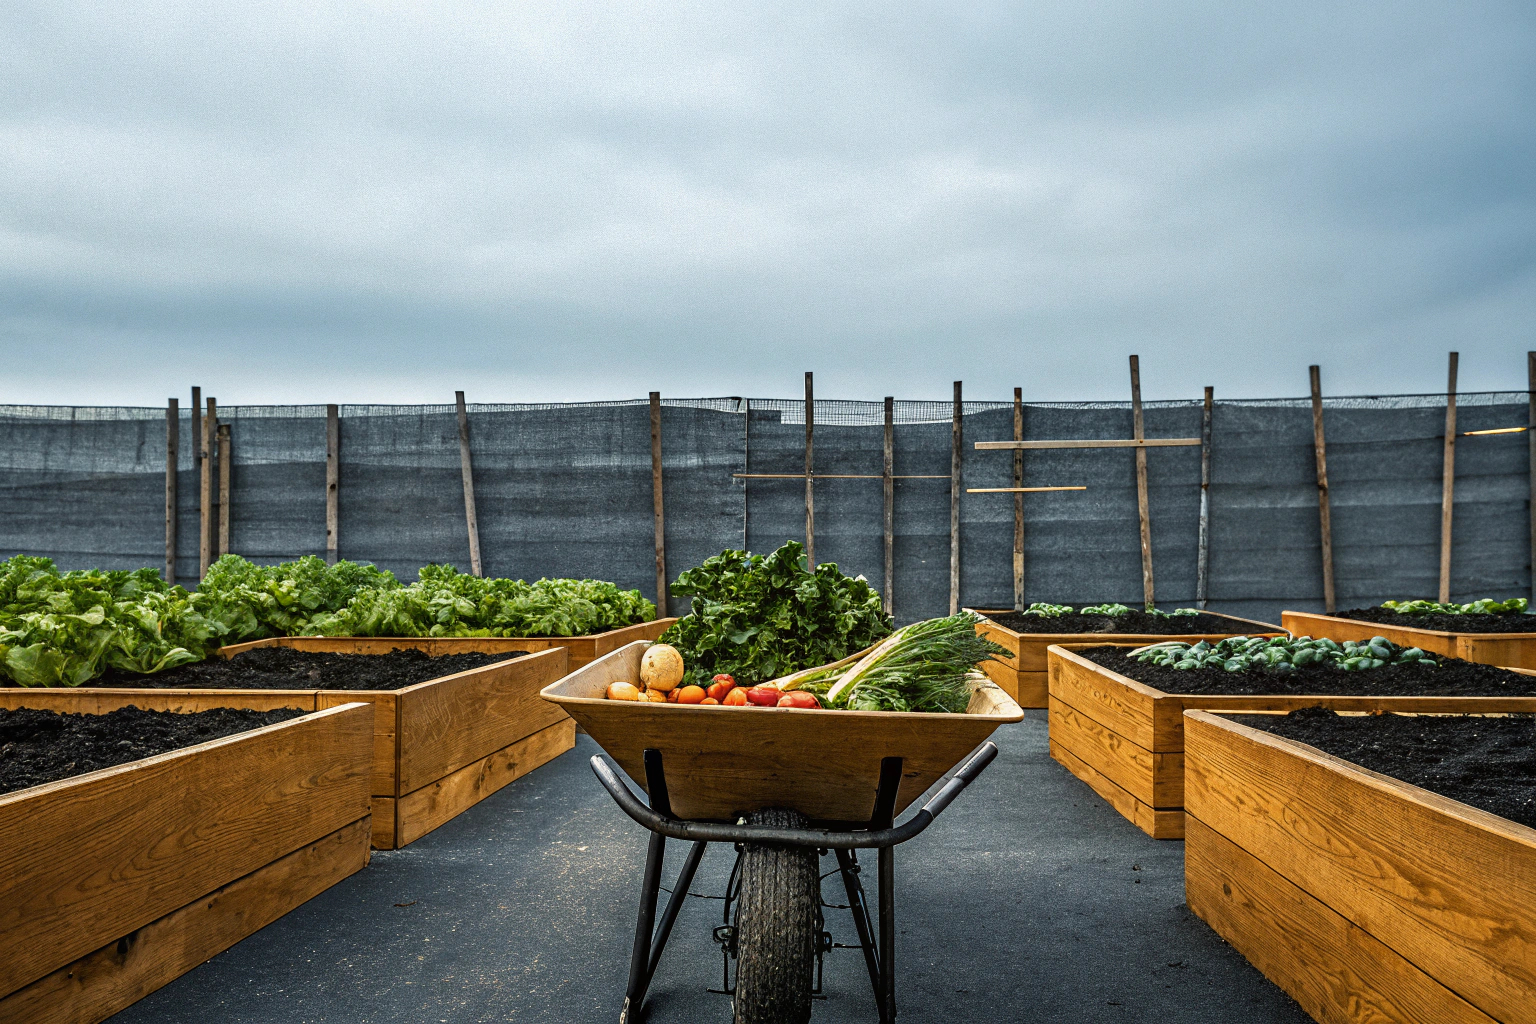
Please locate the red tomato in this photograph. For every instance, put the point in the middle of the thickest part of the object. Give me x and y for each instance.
(763, 696)
(724, 677)
(721, 686)
(799, 699)
(737, 698)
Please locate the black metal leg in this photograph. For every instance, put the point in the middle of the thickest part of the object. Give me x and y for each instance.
(887, 871)
(640, 958)
(669, 916)
(859, 906)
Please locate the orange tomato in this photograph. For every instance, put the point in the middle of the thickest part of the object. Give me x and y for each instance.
(623, 691)
(737, 698)
(710, 700)
(691, 695)
(721, 686)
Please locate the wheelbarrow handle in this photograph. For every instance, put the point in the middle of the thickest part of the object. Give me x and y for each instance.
(713, 832)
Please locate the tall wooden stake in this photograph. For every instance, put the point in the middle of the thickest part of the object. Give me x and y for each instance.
(1203, 558)
(888, 488)
(332, 481)
(746, 467)
(206, 535)
(1142, 513)
(1018, 502)
(810, 480)
(656, 505)
(225, 453)
(955, 486)
(466, 468)
(1530, 370)
(172, 458)
(1448, 482)
(1324, 508)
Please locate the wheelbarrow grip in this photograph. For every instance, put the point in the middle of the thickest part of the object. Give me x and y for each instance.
(705, 831)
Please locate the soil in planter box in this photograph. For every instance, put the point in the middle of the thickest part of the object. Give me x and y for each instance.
(283, 668)
(1451, 678)
(45, 746)
(1514, 622)
(1134, 623)
(1489, 763)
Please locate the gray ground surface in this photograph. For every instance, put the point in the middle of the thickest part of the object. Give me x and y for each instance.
(1029, 900)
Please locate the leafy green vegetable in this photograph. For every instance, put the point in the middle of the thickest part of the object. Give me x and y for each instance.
(1049, 611)
(1486, 606)
(255, 601)
(65, 629)
(761, 616)
(1281, 654)
(926, 666)
(1112, 610)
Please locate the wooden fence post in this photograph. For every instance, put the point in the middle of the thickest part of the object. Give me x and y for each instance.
(1018, 502)
(888, 489)
(1448, 482)
(226, 452)
(1324, 506)
(467, 470)
(332, 482)
(1530, 371)
(1203, 558)
(656, 506)
(1142, 513)
(206, 526)
(172, 458)
(955, 483)
(810, 480)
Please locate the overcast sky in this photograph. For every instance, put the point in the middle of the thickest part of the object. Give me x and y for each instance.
(554, 201)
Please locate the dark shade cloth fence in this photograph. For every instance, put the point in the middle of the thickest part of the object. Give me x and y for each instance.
(565, 490)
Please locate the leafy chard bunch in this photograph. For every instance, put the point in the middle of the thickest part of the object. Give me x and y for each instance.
(446, 602)
(1113, 610)
(1280, 654)
(1486, 606)
(65, 629)
(761, 616)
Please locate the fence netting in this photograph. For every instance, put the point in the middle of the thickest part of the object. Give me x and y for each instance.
(565, 490)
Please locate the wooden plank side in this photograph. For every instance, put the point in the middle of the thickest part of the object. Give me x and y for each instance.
(1337, 972)
(385, 816)
(425, 809)
(1125, 706)
(99, 700)
(1335, 628)
(383, 780)
(129, 968)
(1155, 823)
(1154, 779)
(90, 859)
(1508, 651)
(1450, 888)
(1032, 689)
(454, 721)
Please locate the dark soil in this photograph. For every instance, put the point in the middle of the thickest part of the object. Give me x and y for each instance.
(45, 746)
(1514, 622)
(1489, 763)
(283, 668)
(1134, 623)
(1451, 678)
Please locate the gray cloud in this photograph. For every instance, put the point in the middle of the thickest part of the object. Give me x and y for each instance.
(324, 201)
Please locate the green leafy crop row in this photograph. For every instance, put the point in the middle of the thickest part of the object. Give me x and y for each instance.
(1281, 654)
(1052, 611)
(1486, 606)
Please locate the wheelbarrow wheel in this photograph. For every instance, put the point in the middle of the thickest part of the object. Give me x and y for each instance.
(776, 927)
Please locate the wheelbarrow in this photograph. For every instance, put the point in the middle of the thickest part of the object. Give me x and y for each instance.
(784, 785)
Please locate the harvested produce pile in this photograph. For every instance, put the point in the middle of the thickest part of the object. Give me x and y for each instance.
(1111, 618)
(1485, 616)
(45, 746)
(927, 666)
(282, 668)
(66, 629)
(1489, 763)
(1400, 675)
(756, 617)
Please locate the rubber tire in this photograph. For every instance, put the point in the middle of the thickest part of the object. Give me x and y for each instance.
(776, 927)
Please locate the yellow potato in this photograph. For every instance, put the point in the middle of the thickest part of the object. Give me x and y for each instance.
(654, 696)
(661, 667)
(623, 691)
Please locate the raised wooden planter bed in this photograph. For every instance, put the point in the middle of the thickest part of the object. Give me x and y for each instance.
(1509, 650)
(1026, 678)
(1126, 739)
(119, 881)
(440, 747)
(1365, 898)
(583, 649)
